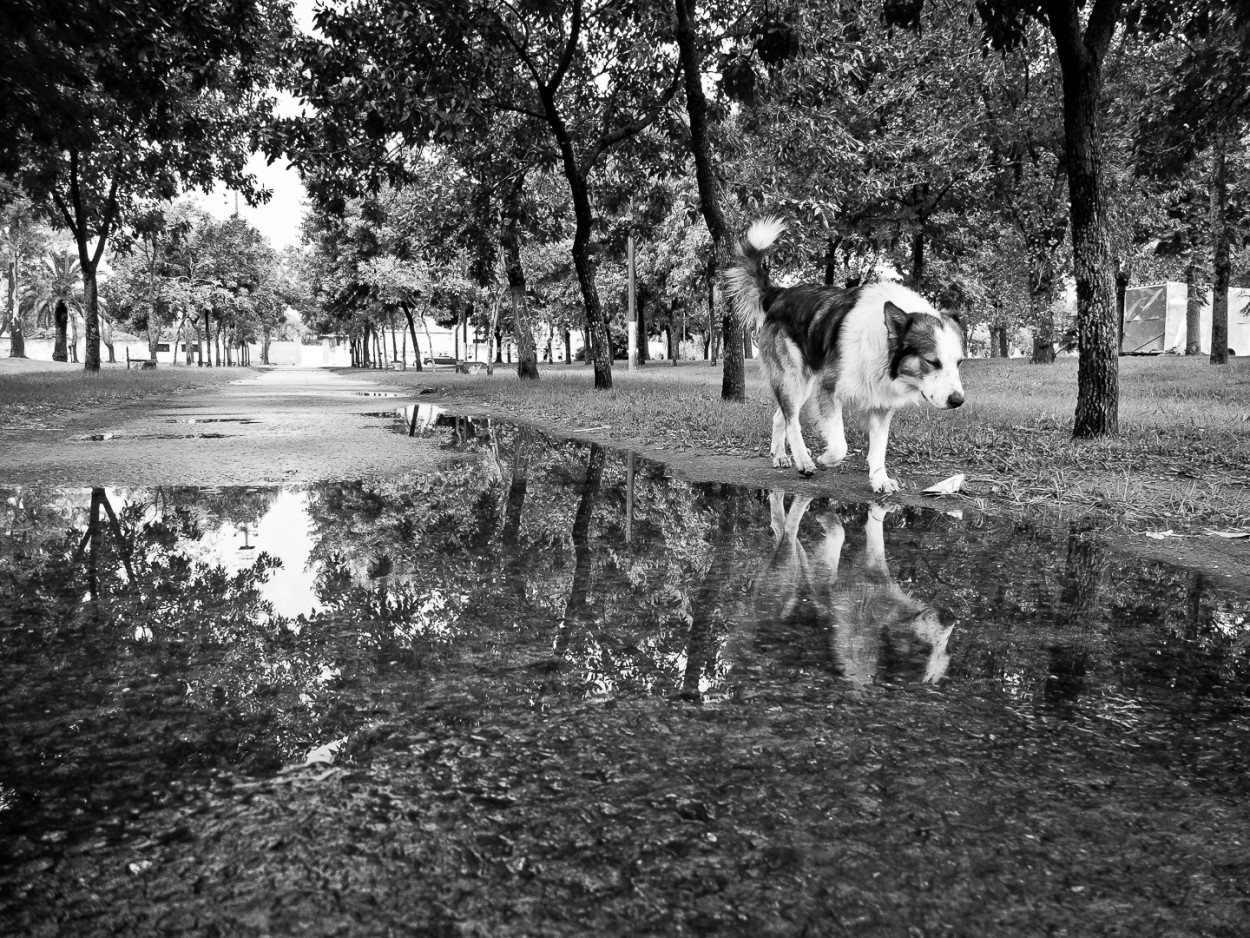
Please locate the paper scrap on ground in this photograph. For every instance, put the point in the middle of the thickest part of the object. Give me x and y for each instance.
(1162, 535)
(1230, 535)
(324, 755)
(947, 486)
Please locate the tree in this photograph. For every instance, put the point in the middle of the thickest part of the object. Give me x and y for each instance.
(139, 100)
(56, 295)
(22, 241)
(1082, 34)
(593, 78)
(733, 384)
(1196, 124)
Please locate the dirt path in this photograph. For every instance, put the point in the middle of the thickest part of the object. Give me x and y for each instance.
(281, 426)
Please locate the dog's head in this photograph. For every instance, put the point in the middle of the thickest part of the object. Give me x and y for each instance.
(926, 350)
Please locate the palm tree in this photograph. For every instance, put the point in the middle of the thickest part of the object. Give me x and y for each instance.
(56, 295)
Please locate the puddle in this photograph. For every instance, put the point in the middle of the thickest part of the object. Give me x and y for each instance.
(888, 671)
(425, 420)
(134, 438)
(195, 420)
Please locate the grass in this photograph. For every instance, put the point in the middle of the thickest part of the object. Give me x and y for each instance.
(30, 399)
(1180, 460)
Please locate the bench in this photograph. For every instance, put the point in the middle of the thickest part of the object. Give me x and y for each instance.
(470, 368)
(142, 363)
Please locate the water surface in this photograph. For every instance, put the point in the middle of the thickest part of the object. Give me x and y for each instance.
(552, 671)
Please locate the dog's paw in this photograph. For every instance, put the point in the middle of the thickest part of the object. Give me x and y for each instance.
(782, 461)
(829, 459)
(882, 483)
(808, 469)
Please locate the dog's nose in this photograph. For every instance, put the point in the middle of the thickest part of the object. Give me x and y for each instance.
(955, 399)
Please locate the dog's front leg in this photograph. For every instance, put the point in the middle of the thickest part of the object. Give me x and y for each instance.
(874, 532)
(878, 436)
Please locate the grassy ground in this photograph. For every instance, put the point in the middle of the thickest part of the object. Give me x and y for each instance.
(1180, 459)
(40, 397)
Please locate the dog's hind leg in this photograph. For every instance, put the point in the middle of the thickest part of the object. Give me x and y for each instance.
(831, 429)
(778, 452)
(878, 436)
(792, 393)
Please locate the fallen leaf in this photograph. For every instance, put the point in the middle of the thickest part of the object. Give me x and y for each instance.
(947, 486)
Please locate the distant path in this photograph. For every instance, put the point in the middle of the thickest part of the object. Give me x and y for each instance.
(285, 426)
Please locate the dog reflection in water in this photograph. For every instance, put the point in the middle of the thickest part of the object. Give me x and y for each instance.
(876, 629)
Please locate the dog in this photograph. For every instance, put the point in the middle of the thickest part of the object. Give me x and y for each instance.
(874, 627)
(876, 347)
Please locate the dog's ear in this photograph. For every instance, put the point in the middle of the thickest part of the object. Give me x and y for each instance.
(955, 314)
(895, 319)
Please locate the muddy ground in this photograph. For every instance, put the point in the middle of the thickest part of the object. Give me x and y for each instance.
(293, 426)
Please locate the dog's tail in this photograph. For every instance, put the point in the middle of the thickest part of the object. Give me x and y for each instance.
(745, 278)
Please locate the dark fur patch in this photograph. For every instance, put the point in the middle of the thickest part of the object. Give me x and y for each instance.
(913, 344)
(811, 316)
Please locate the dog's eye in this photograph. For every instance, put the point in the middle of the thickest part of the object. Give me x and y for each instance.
(933, 363)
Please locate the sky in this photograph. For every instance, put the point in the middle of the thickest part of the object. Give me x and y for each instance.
(279, 219)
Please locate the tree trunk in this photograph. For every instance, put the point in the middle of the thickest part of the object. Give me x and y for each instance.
(73, 338)
(831, 259)
(106, 337)
(412, 330)
(1042, 312)
(91, 310)
(61, 321)
(644, 353)
(1193, 310)
(997, 333)
(568, 345)
(510, 242)
(1221, 262)
(1122, 276)
(1081, 54)
(17, 340)
(733, 383)
(492, 346)
(596, 323)
(917, 256)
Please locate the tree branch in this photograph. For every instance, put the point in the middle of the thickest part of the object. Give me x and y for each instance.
(110, 215)
(1101, 26)
(566, 59)
(613, 137)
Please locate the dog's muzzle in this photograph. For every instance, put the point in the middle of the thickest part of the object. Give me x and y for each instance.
(955, 399)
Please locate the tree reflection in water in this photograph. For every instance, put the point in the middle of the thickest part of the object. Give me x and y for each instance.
(133, 651)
